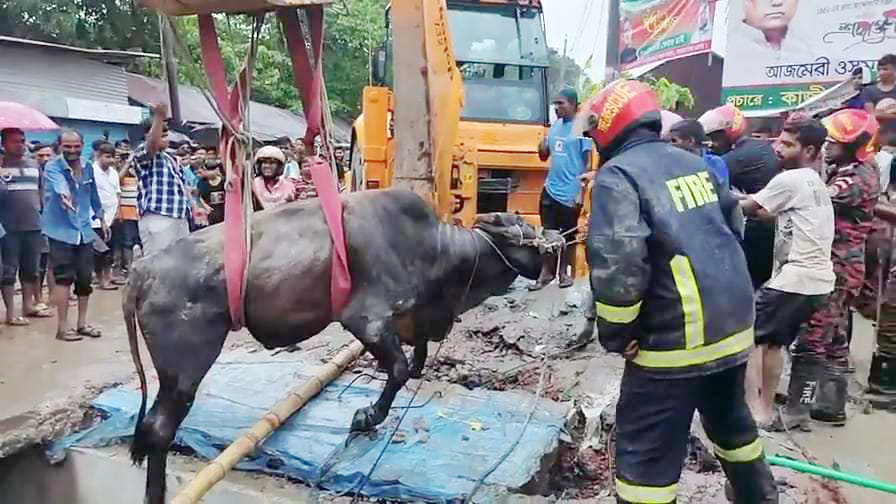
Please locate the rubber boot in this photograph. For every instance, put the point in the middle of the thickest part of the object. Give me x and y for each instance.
(801, 393)
(882, 378)
(750, 482)
(830, 400)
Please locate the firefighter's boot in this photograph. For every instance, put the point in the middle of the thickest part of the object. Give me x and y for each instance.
(830, 400)
(882, 379)
(750, 482)
(801, 393)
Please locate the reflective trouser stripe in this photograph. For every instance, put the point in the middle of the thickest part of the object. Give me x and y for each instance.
(691, 304)
(746, 453)
(646, 494)
(618, 314)
(731, 345)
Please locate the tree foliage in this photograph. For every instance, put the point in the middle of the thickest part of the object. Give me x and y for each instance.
(353, 30)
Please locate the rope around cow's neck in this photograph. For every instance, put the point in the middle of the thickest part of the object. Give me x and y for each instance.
(488, 239)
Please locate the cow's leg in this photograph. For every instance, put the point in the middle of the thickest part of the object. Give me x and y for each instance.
(380, 337)
(421, 349)
(182, 358)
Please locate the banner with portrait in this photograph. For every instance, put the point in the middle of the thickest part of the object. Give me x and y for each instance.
(781, 53)
(652, 31)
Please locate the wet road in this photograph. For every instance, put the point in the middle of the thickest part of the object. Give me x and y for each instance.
(36, 369)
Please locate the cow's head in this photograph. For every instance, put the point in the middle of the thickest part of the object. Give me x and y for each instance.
(516, 240)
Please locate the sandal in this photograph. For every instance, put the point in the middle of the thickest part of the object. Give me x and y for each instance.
(43, 313)
(109, 287)
(69, 335)
(89, 331)
(18, 321)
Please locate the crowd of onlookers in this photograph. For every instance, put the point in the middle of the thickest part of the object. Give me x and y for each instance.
(72, 223)
(817, 237)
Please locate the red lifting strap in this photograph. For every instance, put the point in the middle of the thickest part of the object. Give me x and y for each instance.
(230, 104)
(308, 79)
(331, 204)
(307, 76)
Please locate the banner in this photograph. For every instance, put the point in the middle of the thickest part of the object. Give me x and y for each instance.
(651, 31)
(780, 53)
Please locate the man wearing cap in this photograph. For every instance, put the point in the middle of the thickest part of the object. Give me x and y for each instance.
(822, 347)
(163, 197)
(570, 155)
(751, 165)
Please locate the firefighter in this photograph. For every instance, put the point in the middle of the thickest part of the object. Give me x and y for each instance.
(818, 376)
(673, 295)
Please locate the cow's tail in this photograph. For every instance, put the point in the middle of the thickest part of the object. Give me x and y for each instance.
(139, 447)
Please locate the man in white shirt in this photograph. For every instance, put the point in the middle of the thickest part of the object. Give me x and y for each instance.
(109, 189)
(803, 272)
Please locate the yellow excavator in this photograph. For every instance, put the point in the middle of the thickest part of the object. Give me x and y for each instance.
(459, 107)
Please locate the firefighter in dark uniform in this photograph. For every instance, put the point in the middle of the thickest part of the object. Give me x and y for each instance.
(673, 295)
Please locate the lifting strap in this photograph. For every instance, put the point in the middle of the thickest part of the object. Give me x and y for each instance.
(231, 104)
(331, 204)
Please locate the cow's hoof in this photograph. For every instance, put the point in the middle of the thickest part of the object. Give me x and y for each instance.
(364, 419)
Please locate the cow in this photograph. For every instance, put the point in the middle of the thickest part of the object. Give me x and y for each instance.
(411, 277)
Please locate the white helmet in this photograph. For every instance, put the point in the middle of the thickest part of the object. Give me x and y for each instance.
(270, 152)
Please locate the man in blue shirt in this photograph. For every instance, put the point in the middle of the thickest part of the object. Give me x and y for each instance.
(570, 156)
(689, 135)
(69, 196)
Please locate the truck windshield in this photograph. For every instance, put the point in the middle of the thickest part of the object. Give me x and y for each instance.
(501, 34)
(499, 92)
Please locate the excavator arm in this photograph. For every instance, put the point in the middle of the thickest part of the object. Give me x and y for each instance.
(428, 95)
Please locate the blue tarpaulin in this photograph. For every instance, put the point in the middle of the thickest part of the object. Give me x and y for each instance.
(449, 442)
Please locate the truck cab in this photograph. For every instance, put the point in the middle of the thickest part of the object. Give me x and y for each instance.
(499, 48)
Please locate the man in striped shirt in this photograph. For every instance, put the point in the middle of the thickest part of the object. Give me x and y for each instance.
(163, 197)
(20, 216)
(125, 231)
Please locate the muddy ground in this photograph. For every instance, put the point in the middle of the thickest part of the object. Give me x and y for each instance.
(505, 343)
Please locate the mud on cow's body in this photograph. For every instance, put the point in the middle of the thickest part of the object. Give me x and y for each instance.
(411, 276)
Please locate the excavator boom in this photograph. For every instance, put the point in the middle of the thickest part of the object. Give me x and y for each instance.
(429, 97)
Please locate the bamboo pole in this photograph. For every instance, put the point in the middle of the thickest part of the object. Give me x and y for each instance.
(271, 421)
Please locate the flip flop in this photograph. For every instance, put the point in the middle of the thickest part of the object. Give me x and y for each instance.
(89, 331)
(69, 335)
(109, 287)
(45, 313)
(18, 321)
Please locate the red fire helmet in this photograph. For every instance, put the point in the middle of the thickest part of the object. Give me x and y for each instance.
(618, 108)
(727, 118)
(847, 127)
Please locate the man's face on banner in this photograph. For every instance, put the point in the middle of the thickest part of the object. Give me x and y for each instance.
(769, 14)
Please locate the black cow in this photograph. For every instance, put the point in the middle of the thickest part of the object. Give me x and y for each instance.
(411, 277)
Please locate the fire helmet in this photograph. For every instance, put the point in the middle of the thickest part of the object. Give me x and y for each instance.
(727, 118)
(853, 127)
(619, 108)
(270, 152)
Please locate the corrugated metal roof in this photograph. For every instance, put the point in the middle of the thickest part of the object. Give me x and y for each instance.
(101, 54)
(268, 123)
(31, 70)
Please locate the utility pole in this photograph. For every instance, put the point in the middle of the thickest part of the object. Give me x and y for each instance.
(563, 63)
(166, 40)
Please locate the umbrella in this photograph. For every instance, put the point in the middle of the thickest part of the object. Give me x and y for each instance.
(23, 117)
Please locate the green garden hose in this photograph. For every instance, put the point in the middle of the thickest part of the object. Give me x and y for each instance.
(831, 473)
